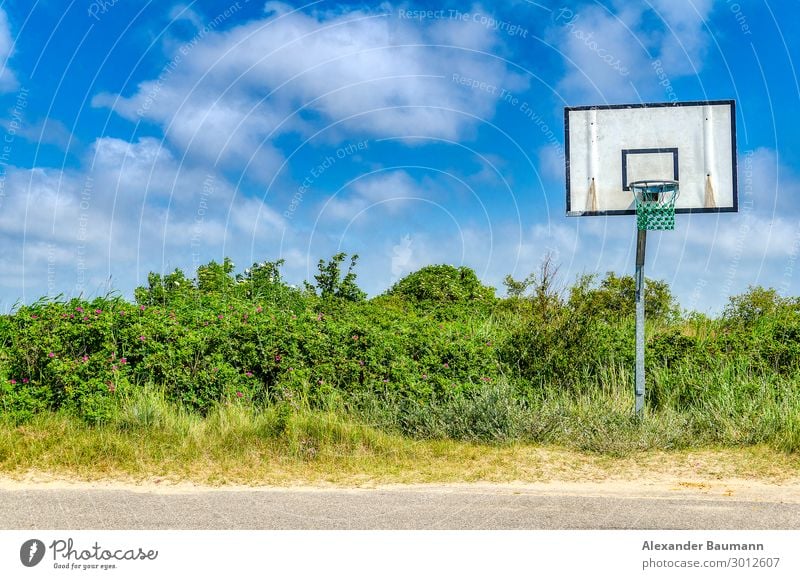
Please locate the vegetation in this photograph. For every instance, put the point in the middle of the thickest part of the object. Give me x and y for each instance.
(225, 359)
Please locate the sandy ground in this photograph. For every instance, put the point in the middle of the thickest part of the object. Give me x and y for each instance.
(787, 491)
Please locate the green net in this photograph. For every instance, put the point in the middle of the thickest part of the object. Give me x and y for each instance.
(655, 204)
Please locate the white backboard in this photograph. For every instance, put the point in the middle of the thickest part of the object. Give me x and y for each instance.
(608, 147)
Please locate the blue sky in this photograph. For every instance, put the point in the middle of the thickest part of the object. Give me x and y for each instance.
(144, 136)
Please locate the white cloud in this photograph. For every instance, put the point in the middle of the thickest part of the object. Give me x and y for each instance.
(185, 12)
(132, 209)
(773, 186)
(390, 191)
(609, 52)
(232, 93)
(600, 49)
(706, 259)
(551, 163)
(256, 219)
(129, 172)
(47, 131)
(684, 40)
(34, 200)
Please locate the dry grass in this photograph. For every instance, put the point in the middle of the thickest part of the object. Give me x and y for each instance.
(233, 447)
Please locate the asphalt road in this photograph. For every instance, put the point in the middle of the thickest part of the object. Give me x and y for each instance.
(592, 506)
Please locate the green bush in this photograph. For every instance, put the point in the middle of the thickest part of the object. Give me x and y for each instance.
(442, 285)
(437, 356)
(332, 284)
(756, 304)
(613, 298)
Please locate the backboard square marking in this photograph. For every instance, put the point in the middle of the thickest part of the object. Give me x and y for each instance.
(642, 164)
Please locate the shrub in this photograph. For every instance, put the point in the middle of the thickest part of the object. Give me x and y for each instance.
(331, 283)
(753, 305)
(545, 299)
(671, 347)
(436, 356)
(442, 285)
(614, 298)
(214, 277)
(166, 290)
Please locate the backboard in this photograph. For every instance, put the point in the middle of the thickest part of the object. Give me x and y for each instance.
(608, 147)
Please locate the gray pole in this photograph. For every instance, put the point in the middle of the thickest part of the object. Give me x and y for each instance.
(641, 242)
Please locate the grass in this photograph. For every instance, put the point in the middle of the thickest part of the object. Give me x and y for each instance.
(590, 437)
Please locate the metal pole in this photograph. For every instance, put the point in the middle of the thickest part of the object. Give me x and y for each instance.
(641, 242)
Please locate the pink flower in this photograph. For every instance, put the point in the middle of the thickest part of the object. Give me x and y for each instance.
(142, 338)
(361, 362)
(25, 380)
(385, 380)
(111, 386)
(13, 381)
(85, 318)
(290, 369)
(220, 316)
(249, 374)
(85, 358)
(424, 376)
(258, 309)
(319, 316)
(123, 360)
(98, 311)
(277, 357)
(446, 365)
(51, 355)
(216, 369)
(355, 337)
(142, 308)
(114, 367)
(122, 313)
(33, 317)
(79, 309)
(320, 381)
(239, 394)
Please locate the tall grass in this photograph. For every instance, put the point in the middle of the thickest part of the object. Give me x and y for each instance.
(210, 373)
(388, 437)
(687, 408)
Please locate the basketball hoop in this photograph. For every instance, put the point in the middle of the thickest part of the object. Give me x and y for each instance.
(644, 149)
(655, 204)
